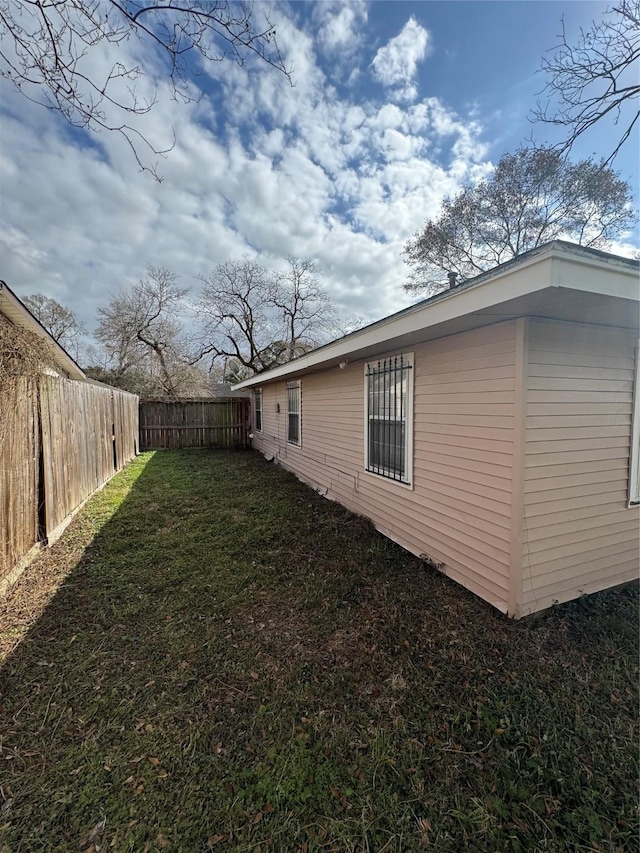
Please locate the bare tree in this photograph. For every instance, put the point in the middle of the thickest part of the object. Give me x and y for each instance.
(257, 319)
(142, 337)
(307, 311)
(45, 45)
(61, 323)
(234, 310)
(532, 196)
(596, 78)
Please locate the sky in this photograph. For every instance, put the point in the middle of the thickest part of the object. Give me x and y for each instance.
(394, 105)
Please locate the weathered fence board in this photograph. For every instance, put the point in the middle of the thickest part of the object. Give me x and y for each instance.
(83, 438)
(125, 420)
(194, 423)
(19, 455)
(65, 440)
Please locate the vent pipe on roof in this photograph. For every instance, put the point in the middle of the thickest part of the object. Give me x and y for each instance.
(452, 276)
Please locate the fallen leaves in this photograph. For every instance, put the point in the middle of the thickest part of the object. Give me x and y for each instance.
(265, 810)
(87, 843)
(425, 828)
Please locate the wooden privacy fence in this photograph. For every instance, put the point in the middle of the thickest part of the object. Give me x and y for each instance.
(61, 440)
(194, 423)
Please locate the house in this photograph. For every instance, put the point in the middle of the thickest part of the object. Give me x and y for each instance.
(223, 391)
(16, 312)
(493, 429)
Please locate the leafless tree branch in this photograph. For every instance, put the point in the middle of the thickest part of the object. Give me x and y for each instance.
(61, 323)
(259, 318)
(44, 46)
(595, 79)
(142, 337)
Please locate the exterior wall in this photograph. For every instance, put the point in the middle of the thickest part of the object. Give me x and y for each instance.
(578, 535)
(459, 511)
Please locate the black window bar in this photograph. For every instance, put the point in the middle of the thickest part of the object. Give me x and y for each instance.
(387, 386)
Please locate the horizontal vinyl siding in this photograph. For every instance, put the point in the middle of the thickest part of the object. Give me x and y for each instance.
(579, 535)
(458, 512)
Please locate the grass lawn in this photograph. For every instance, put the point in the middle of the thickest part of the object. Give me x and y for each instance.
(231, 662)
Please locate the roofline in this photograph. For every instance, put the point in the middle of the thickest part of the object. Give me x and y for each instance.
(371, 334)
(60, 356)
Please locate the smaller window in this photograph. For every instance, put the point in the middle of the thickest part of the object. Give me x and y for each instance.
(257, 409)
(293, 413)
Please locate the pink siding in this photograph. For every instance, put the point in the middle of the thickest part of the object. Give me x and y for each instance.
(459, 510)
(579, 535)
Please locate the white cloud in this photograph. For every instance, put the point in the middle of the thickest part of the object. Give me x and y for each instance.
(341, 31)
(626, 249)
(258, 167)
(395, 64)
(340, 27)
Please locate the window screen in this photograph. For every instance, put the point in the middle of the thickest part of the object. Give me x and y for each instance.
(257, 409)
(293, 413)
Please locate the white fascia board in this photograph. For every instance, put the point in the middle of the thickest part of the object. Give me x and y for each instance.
(556, 265)
(595, 275)
(455, 303)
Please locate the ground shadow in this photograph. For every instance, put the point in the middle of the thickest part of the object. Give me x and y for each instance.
(235, 662)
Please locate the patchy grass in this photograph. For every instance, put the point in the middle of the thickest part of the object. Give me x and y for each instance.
(219, 658)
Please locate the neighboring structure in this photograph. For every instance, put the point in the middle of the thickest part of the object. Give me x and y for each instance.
(17, 313)
(493, 429)
(223, 390)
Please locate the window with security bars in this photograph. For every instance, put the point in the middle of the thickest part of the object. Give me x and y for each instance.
(389, 418)
(634, 472)
(293, 413)
(257, 409)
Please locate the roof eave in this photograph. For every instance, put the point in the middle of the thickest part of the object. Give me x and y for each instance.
(18, 313)
(480, 292)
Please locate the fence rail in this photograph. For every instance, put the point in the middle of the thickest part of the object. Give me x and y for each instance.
(61, 440)
(194, 423)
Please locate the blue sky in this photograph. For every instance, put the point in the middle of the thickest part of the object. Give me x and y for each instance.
(395, 104)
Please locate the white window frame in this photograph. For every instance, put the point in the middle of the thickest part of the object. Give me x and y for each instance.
(407, 483)
(257, 407)
(293, 386)
(634, 455)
